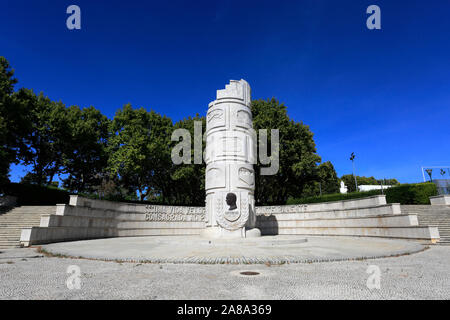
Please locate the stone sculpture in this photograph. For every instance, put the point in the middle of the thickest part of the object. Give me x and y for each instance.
(229, 156)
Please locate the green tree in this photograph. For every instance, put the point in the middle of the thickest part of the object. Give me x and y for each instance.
(188, 180)
(45, 126)
(139, 151)
(325, 181)
(349, 181)
(9, 116)
(297, 157)
(329, 182)
(328, 178)
(85, 157)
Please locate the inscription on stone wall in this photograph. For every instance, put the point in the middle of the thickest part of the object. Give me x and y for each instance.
(269, 210)
(172, 213)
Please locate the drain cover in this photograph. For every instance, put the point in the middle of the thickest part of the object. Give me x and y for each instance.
(249, 273)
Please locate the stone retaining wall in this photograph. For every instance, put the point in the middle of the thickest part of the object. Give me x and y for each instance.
(89, 219)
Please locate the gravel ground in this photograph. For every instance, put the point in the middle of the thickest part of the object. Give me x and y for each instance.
(25, 274)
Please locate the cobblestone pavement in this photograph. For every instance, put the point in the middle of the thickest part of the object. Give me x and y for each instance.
(25, 274)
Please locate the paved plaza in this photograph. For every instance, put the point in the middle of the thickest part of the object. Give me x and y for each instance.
(267, 249)
(26, 274)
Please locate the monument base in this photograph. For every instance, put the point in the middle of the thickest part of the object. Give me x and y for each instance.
(221, 233)
(265, 249)
(252, 233)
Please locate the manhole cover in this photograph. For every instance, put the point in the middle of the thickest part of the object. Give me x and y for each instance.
(249, 273)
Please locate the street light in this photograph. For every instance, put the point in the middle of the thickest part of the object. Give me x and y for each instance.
(352, 157)
(430, 172)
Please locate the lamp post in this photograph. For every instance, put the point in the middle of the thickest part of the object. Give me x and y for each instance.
(429, 172)
(352, 157)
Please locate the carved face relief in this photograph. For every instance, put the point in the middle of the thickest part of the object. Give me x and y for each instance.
(231, 201)
(232, 211)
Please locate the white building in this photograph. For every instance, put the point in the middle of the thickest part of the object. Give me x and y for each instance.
(368, 187)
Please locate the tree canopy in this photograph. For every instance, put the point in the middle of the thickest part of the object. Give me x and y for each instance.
(129, 156)
(9, 120)
(298, 159)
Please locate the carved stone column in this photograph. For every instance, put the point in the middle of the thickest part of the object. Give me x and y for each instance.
(230, 155)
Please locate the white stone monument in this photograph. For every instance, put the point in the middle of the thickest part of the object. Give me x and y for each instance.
(343, 188)
(229, 156)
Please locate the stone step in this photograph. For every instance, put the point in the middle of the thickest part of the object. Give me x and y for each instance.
(20, 219)
(9, 242)
(6, 223)
(32, 209)
(434, 222)
(19, 225)
(398, 220)
(11, 219)
(430, 217)
(433, 216)
(26, 214)
(30, 213)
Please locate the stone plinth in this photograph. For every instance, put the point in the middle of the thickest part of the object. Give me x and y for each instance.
(440, 200)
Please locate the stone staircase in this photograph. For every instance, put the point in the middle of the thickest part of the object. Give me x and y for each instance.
(437, 216)
(12, 222)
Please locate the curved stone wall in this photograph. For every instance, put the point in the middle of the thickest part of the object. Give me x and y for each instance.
(89, 219)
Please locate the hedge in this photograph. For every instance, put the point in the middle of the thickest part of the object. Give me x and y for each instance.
(418, 193)
(30, 194)
(334, 197)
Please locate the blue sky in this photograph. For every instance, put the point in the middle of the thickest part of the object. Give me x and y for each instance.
(383, 94)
